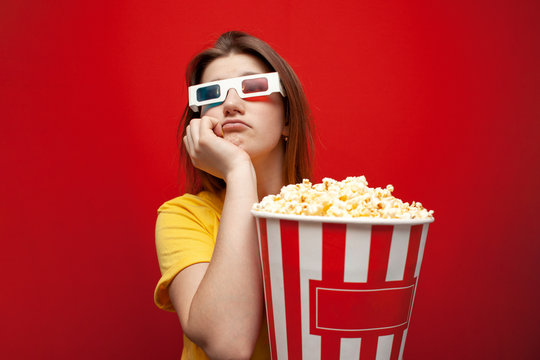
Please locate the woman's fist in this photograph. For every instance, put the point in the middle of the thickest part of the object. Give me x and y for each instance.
(209, 151)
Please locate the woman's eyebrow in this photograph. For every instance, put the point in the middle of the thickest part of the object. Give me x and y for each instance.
(250, 73)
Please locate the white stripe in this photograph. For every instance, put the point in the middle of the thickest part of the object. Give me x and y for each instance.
(349, 349)
(421, 250)
(310, 248)
(398, 252)
(357, 241)
(261, 258)
(384, 347)
(276, 281)
(260, 239)
(258, 229)
(402, 344)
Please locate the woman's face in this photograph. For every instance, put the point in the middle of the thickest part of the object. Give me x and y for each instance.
(254, 124)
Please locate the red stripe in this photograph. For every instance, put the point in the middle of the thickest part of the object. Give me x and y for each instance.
(379, 253)
(291, 281)
(333, 252)
(368, 348)
(267, 287)
(381, 239)
(412, 253)
(330, 347)
(396, 345)
(333, 268)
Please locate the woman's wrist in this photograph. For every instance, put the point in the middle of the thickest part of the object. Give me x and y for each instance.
(242, 174)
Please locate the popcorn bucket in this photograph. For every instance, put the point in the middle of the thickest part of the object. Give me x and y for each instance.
(338, 288)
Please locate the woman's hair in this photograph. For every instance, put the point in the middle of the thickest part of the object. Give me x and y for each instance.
(298, 148)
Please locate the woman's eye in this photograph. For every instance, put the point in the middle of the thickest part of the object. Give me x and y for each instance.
(254, 85)
(208, 93)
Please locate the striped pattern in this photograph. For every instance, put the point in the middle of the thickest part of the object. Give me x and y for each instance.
(339, 291)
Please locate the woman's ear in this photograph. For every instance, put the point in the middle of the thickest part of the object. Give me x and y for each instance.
(285, 131)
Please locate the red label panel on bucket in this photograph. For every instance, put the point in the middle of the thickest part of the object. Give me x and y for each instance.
(349, 311)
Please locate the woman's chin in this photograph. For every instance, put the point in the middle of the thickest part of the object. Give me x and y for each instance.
(233, 138)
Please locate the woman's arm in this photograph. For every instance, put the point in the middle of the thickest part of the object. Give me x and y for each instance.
(220, 303)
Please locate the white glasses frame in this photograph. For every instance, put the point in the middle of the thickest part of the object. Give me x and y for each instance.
(274, 85)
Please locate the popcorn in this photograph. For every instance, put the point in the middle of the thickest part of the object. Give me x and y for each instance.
(350, 198)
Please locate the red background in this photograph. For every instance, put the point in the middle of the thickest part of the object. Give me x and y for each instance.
(440, 99)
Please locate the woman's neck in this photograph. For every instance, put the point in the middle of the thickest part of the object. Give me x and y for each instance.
(269, 172)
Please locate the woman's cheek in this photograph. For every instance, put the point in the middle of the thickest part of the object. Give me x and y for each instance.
(205, 108)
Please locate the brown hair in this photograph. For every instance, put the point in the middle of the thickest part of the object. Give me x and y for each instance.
(298, 148)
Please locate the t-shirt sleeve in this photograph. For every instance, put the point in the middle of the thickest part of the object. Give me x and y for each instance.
(185, 235)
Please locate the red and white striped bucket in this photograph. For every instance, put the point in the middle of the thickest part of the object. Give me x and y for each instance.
(339, 288)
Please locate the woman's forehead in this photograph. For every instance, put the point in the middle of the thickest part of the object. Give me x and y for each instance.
(231, 66)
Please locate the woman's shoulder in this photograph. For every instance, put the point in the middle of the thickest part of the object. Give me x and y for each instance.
(203, 201)
(189, 212)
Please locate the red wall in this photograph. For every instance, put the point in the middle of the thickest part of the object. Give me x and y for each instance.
(441, 100)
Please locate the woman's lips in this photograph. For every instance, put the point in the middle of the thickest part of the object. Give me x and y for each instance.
(234, 125)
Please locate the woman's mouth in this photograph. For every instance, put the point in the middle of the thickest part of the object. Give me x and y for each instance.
(234, 125)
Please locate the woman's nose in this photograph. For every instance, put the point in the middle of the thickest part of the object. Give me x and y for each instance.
(233, 103)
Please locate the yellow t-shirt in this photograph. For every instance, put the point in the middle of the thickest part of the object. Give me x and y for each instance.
(186, 232)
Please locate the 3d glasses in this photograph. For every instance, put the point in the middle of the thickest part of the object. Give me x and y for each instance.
(215, 92)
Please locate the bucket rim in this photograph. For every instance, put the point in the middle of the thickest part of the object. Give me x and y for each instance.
(340, 220)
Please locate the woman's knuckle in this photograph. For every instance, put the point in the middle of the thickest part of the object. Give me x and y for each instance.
(203, 141)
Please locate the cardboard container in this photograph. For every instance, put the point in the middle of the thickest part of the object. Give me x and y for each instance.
(338, 288)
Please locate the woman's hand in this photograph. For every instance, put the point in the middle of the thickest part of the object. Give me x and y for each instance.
(209, 151)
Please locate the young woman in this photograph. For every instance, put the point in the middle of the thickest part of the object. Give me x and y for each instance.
(246, 133)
